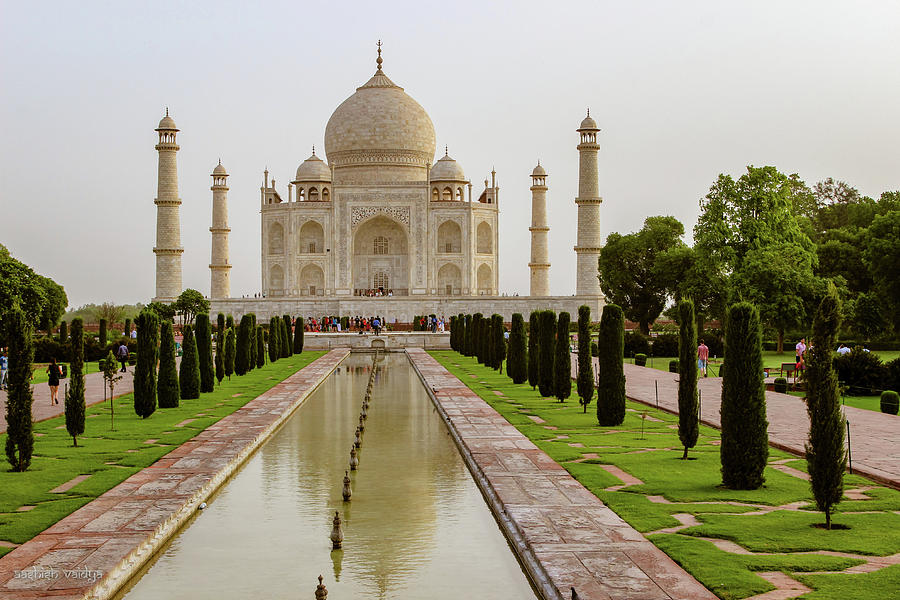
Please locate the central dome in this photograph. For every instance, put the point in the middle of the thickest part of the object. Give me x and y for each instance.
(382, 131)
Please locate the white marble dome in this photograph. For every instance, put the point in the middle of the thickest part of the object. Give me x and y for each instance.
(447, 169)
(313, 169)
(167, 123)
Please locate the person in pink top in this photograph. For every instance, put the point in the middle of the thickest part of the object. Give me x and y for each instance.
(702, 357)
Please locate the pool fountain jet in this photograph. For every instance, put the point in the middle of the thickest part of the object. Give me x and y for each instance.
(321, 592)
(337, 534)
(354, 461)
(362, 424)
(358, 441)
(345, 492)
(364, 413)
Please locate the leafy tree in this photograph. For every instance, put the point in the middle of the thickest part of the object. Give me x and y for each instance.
(688, 405)
(41, 299)
(516, 362)
(628, 272)
(189, 375)
(102, 336)
(230, 351)
(260, 348)
(611, 385)
(288, 337)
(585, 360)
(745, 441)
(242, 356)
(164, 311)
(547, 353)
(19, 424)
(298, 335)
(109, 313)
(883, 258)
(779, 279)
(498, 348)
(168, 389)
(274, 342)
(190, 304)
(562, 363)
(205, 354)
(534, 348)
(868, 316)
(826, 457)
(689, 274)
(110, 378)
(75, 407)
(126, 330)
(147, 324)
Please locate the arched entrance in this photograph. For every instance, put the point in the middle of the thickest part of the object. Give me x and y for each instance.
(449, 280)
(312, 281)
(380, 257)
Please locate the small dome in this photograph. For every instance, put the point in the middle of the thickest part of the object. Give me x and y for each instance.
(589, 123)
(539, 171)
(219, 170)
(167, 123)
(447, 169)
(313, 169)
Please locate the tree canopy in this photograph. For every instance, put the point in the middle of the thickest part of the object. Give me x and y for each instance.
(42, 300)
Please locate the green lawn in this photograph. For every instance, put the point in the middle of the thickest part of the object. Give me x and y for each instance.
(693, 487)
(111, 456)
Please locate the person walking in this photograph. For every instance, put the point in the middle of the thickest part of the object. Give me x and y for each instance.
(54, 372)
(122, 355)
(4, 369)
(702, 357)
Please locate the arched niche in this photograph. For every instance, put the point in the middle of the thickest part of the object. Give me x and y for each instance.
(449, 238)
(276, 238)
(311, 238)
(449, 279)
(312, 280)
(276, 280)
(380, 246)
(485, 280)
(484, 238)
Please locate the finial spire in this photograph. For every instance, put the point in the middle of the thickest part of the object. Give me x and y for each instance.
(314, 149)
(220, 160)
(379, 60)
(446, 150)
(589, 112)
(167, 111)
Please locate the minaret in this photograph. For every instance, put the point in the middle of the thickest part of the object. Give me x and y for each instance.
(587, 248)
(540, 260)
(219, 267)
(168, 248)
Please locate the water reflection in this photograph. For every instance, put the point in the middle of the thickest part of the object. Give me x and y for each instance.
(417, 525)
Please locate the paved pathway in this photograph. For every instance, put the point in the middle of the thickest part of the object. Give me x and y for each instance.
(42, 410)
(565, 535)
(874, 436)
(114, 535)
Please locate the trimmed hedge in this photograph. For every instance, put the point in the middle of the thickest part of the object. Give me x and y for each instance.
(890, 402)
(640, 360)
(780, 385)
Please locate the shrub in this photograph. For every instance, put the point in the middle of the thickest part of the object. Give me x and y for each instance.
(686, 367)
(189, 375)
(890, 402)
(46, 348)
(242, 353)
(745, 442)
(547, 353)
(298, 335)
(230, 351)
(636, 343)
(862, 371)
(147, 323)
(826, 457)
(534, 353)
(611, 385)
(204, 354)
(640, 360)
(892, 375)
(261, 347)
(168, 391)
(780, 385)
(562, 365)
(19, 421)
(666, 345)
(585, 362)
(595, 349)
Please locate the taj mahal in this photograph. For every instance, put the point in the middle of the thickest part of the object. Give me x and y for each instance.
(379, 226)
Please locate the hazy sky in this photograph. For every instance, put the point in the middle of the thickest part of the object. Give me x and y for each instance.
(683, 91)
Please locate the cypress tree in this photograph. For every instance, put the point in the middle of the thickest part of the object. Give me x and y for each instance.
(547, 352)
(498, 352)
(467, 339)
(274, 344)
(189, 376)
(220, 329)
(127, 330)
(298, 335)
(102, 333)
(585, 361)
(252, 345)
(19, 422)
(284, 337)
(453, 332)
(220, 347)
(826, 457)
(242, 353)
(168, 391)
(476, 337)
(534, 348)
(562, 364)
(147, 323)
(75, 408)
(229, 322)
(260, 348)
(204, 354)
(745, 441)
(485, 338)
(516, 362)
(688, 406)
(230, 351)
(63, 332)
(288, 336)
(611, 389)
(461, 334)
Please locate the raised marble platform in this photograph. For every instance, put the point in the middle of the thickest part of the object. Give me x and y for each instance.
(385, 341)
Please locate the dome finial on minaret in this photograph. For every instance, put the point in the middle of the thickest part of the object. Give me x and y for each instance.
(314, 149)
(446, 150)
(589, 111)
(379, 60)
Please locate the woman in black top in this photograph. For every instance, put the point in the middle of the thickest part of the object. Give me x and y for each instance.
(53, 373)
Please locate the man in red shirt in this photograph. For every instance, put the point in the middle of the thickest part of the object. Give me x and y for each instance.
(702, 357)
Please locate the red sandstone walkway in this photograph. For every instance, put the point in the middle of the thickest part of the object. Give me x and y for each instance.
(112, 536)
(566, 536)
(875, 437)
